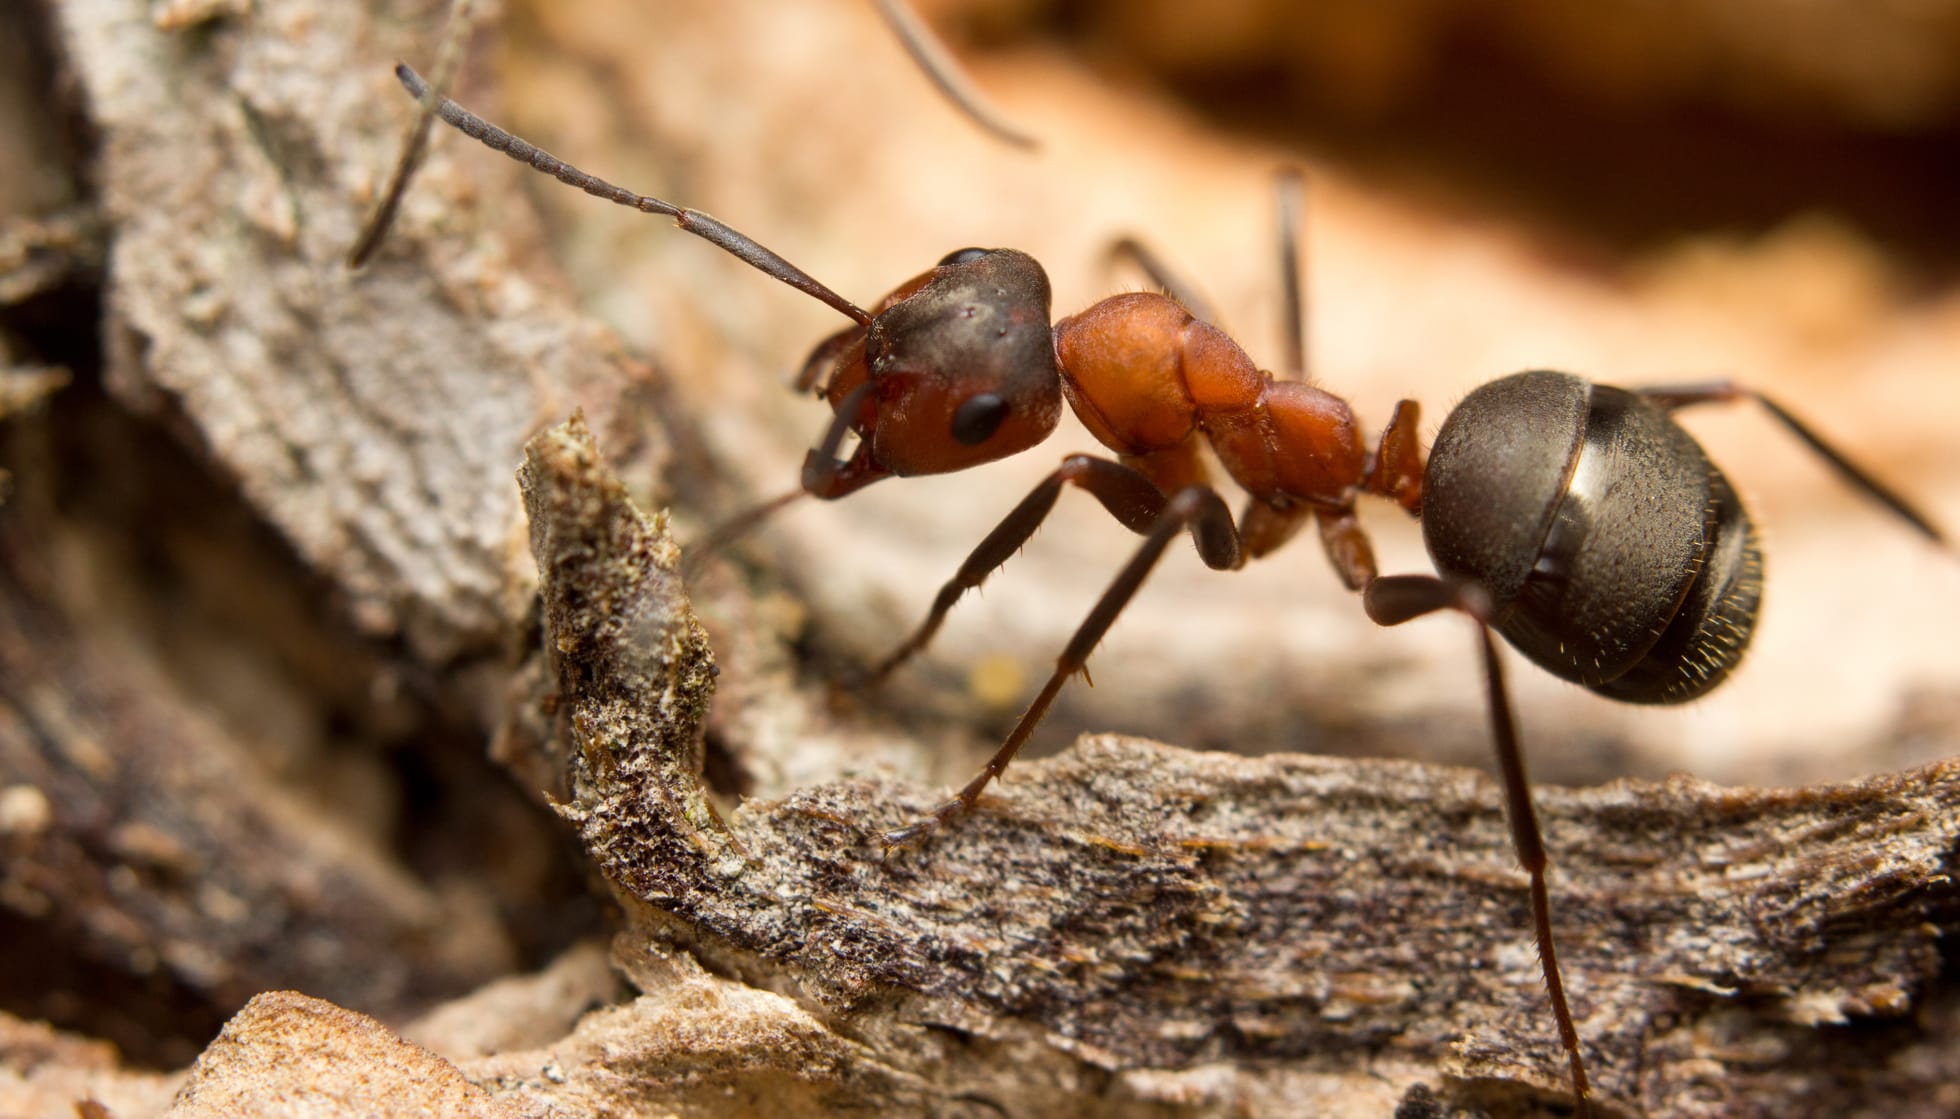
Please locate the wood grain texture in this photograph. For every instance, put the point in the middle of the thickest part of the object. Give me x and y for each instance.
(1143, 907)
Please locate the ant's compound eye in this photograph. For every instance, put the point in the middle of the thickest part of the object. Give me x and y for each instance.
(978, 418)
(963, 256)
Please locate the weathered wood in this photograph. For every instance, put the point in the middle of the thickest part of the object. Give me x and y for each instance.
(193, 740)
(45, 1072)
(138, 832)
(371, 416)
(1140, 907)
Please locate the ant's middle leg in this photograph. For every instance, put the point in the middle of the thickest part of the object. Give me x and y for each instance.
(1198, 508)
(1289, 189)
(1129, 496)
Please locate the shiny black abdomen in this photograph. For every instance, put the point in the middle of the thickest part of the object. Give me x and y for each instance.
(1615, 554)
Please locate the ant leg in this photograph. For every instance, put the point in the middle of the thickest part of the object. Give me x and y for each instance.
(1160, 275)
(926, 50)
(415, 141)
(1197, 507)
(1265, 528)
(1672, 397)
(1347, 547)
(1125, 492)
(1395, 599)
(1290, 189)
(718, 538)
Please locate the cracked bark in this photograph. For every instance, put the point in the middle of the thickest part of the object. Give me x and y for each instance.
(1140, 908)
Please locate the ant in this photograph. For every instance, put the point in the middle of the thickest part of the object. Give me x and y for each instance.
(1577, 520)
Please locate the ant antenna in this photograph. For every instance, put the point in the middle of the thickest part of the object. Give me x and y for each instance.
(701, 225)
(930, 54)
(690, 220)
(415, 141)
(912, 32)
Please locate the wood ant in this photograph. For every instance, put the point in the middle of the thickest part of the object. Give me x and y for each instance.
(1577, 520)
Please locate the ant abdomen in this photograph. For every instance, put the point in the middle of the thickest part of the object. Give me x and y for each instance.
(1615, 554)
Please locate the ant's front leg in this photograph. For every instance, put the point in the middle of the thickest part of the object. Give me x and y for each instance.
(825, 476)
(1198, 508)
(1129, 496)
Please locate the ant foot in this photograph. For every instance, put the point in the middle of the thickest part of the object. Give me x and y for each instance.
(856, 680)
(867, 679)
(915, 832)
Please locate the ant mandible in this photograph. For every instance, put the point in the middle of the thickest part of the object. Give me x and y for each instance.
(1577, 520)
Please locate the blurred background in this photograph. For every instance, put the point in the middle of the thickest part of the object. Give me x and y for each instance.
(1642, 193)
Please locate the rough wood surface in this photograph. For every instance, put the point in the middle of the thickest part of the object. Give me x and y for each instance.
(285, 1053)
(196, 713)
(135, 827)
(1143, 907)
(371, 417)
(46, 1072)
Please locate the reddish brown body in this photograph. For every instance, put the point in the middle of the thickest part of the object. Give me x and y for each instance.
(1150, 381)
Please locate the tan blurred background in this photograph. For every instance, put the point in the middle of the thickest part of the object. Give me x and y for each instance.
(1649, 193)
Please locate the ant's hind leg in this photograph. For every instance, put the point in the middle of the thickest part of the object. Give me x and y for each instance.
(1672, 397)
(1395, 599)
(1129, 496)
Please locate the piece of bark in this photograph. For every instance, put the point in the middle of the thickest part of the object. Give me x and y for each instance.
(229, 787)
(371, 416)
(1144, 908)
(520, 1012)
(46, 1074)
(142, 835)
(288, 1054)
(696, 1044)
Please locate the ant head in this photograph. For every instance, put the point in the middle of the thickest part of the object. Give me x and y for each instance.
(956, 368)
(962, 364)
